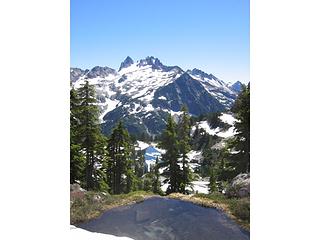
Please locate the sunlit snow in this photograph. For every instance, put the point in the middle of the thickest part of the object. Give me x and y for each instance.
(227, 118)
(142, 145)
(162, 98)
(81, 234)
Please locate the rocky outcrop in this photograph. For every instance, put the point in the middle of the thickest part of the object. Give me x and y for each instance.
(76, 191)
(240, 186)
(126, 63)
(75, 187)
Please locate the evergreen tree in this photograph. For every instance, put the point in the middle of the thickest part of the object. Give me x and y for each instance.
(184, 129)
(77, 159)
(156, 185)
(209, 158)
(169, 142)
(139, 164)
(120, 163)
(131, 175)
(241, 143)
(90, 134)
(234, 158)
(220, 170)
(131, 180)
(101, 159)
(213, 180)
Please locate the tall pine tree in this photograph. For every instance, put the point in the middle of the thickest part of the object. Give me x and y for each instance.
(241, 142)
(169, 142)
(90, 134)
(184, 147)
(120, 163)
(77, 160)
(156, 184)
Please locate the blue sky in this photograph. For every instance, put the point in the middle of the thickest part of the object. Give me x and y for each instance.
(212, 35)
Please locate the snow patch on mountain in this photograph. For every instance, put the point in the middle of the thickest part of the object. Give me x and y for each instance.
(142, 145)
(226, 134)
(162, 98)
(227, 118)
(108, 106)
(195, 156)
(215, 86)
(205, 126)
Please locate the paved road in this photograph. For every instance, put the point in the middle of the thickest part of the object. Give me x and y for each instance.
(167, 219)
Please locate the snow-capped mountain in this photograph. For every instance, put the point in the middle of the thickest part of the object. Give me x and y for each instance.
(236, 87)
(143, 93)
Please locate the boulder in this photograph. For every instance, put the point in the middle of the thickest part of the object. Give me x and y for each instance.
(75, 187)
(240, 186)
(97, 198)
(76, 191)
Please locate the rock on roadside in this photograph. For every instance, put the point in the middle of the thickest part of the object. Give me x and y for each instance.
(76, 191)
(240, 186)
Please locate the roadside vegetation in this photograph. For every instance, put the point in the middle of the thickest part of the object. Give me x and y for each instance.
(89, 205)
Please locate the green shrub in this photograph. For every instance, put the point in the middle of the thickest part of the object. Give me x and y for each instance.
(215, 196)
(241, 208)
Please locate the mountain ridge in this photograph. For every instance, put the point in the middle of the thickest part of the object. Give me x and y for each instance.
(144, 92)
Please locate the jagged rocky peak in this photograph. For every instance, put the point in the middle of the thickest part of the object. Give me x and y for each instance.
(237, 86)
(185, 76)
(201, 74)
(155, 63)
(100, 72)
(126, 63)
(151, 61)
(76, 73)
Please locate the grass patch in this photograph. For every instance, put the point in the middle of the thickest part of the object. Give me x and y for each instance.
(241, 208)
(89, 205)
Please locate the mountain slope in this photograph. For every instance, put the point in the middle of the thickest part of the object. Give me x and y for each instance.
(188, 91)
(236, 87)
(143, 93)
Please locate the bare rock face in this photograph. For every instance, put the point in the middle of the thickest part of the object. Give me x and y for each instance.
(240, 186)
(126, 63)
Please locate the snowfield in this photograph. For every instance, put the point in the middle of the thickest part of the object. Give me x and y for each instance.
(225, 117)
(200, 187)
(205, 126)
(197, 186)
(229, 133)
(142, 145)
(81, 234)
(195, 155)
